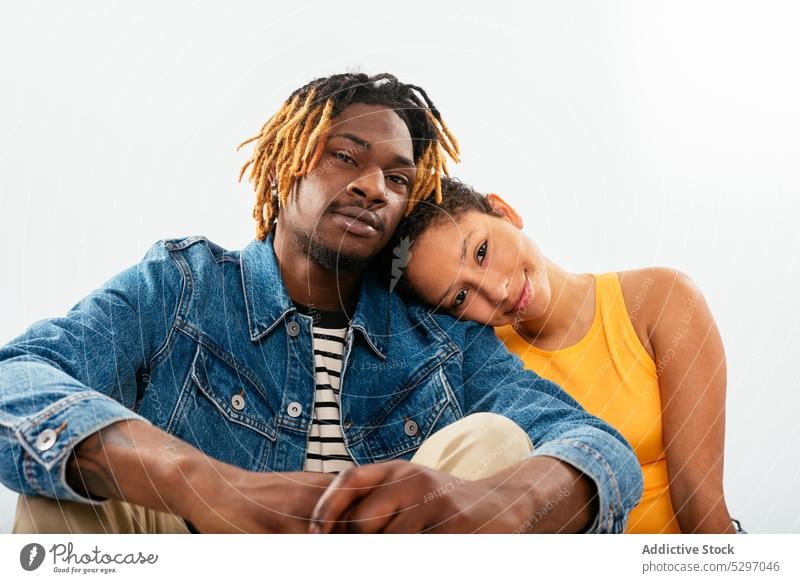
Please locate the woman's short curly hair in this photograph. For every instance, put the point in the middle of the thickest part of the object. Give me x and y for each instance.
(458, 199)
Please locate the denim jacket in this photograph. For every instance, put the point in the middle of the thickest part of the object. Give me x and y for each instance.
(206, 344)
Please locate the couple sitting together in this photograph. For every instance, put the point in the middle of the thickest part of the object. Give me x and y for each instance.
(390, 354)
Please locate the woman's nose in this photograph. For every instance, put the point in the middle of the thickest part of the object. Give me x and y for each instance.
(495, 289)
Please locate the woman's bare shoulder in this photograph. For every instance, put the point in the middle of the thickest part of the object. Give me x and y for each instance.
(651, 294)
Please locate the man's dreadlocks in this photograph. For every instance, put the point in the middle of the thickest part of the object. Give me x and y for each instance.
(292, 141)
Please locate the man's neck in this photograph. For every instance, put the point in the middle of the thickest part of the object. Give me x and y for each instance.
(311, 284)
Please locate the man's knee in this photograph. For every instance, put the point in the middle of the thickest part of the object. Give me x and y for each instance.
(42, 515)
(477, 446)
(499, 429)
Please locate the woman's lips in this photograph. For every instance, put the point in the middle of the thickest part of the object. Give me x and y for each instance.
(525, 296)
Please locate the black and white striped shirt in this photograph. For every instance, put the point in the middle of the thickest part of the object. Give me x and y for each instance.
(326, 451)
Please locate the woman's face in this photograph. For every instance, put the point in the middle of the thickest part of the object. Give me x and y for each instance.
(480, 267)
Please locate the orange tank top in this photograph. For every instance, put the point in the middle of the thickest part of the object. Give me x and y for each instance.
(609, 372)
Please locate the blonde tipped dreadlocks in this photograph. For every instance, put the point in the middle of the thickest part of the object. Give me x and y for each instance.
(291, 143)
(433, 165)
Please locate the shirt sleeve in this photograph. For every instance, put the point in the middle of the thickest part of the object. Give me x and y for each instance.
(496, 380)
(66, 378)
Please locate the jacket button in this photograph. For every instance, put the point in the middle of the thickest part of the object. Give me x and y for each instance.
(411, 428)
(46, 440)
(294, 329)
(237, 402)
(294, 409)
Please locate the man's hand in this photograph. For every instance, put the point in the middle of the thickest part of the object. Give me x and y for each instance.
(402, 497)
(238, 501)
(140, 464)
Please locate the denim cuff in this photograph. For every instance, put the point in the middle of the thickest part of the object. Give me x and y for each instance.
(616, 494)
(50, 436)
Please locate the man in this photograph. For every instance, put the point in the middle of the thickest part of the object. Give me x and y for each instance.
(284, 388)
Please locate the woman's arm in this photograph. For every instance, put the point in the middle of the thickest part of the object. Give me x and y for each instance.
(690, 361)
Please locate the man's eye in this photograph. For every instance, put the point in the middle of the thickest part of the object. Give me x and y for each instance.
(482, 252)
(401, 180)
(345, 158)
(460, 297)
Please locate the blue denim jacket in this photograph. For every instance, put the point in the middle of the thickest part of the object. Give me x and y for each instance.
(206, 344)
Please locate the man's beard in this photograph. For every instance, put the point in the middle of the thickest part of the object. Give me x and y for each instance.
(330, 258)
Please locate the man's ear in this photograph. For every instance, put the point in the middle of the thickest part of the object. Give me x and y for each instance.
(504, 209)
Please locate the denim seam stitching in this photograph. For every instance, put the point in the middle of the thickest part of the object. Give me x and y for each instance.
(183, 396)
(184, 242)
(246, 421)
(450, 393)
(53, 410)
(227, 358)
(377, 420)
(58, 406)
(30, 473)
(418, 440)
(160, 355)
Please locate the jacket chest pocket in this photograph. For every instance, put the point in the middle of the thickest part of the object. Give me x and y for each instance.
(233, 391)
(426, 408)
(224, 412)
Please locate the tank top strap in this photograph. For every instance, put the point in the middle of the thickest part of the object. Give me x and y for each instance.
(610, 300)
(616, 316)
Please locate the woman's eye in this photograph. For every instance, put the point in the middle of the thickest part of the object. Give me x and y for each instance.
(482, 252)
(460, 297)
(345, 158)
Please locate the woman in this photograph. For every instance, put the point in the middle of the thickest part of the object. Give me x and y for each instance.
(637, 348)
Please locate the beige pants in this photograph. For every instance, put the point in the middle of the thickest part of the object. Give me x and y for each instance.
(475, 447)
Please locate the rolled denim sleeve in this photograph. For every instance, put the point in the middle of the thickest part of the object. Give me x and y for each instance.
(497, 381)
(66, 378)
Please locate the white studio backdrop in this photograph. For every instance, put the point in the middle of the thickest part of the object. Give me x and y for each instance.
(627, 134)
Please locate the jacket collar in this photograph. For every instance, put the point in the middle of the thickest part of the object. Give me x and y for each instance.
(267, 301)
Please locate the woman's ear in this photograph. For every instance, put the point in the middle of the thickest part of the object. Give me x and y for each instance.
(504, 209)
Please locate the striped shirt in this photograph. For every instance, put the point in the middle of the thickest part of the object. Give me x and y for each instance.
(326, 451)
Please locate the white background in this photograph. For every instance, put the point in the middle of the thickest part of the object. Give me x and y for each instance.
(626, 133)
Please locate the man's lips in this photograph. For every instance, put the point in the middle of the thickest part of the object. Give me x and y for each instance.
(358, 221)
(361, 214)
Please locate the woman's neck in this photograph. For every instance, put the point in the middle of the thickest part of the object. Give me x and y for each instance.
(568, 315)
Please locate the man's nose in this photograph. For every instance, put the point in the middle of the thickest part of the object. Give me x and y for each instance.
(370, 186)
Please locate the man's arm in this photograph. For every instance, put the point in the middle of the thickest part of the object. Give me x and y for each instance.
(67, 378)
(539, 494)
(552, 495)
(140, 464)
(134, 462)
(67, 429)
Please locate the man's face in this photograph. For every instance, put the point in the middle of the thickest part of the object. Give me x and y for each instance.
(346, 210)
